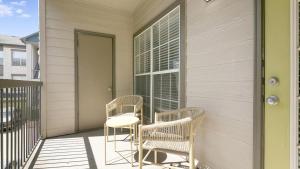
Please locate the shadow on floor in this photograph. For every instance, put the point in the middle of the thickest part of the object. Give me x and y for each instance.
(73, 151)
(85, 150)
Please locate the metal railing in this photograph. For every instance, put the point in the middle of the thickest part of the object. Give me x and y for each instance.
(20, 121)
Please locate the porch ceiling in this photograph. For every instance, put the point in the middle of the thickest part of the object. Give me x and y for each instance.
(128, 6)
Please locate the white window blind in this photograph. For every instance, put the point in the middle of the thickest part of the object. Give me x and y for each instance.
(157, 64)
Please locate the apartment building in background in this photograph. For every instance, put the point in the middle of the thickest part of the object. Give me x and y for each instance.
(19, 57)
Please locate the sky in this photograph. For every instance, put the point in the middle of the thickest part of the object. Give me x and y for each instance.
(18, 17)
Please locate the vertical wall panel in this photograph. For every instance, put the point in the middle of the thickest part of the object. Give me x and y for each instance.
(62, 17)
(220, 66)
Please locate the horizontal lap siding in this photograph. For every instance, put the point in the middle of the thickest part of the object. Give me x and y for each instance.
(220, 66)
(62, 17)
(220, 76)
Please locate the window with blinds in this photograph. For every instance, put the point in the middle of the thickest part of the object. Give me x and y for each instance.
(157, 64)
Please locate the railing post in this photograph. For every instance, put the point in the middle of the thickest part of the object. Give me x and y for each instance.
(20, 124)
(6, 117)
(1, 123)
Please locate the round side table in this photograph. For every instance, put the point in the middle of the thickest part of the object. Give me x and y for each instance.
(121, 122)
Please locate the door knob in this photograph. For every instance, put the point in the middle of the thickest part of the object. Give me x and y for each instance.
(109, 89)
(272, 100)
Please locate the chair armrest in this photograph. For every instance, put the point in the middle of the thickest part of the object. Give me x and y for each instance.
(138, 107)
(113, 105)
(178, 130)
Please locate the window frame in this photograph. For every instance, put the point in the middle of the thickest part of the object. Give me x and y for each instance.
(294, 85)
(182, 46)
(20, 62)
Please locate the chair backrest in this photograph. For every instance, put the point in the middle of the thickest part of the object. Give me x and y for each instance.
(125, 104)
(190, 119)
(130, 100)
(194, 113)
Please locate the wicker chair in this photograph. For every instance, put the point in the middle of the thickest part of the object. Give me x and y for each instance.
(172, 132)
(130, 105)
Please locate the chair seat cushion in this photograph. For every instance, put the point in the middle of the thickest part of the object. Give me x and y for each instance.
(126, 114)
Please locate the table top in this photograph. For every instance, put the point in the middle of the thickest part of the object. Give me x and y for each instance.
(121, 121)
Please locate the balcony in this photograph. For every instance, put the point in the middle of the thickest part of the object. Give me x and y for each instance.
(206, 60)
(22, 145)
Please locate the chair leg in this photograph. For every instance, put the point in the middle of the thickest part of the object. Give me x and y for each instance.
(142, 116)
(192, 156)
(140, 149)
(136, 133)
(155, 157)
(131, 158)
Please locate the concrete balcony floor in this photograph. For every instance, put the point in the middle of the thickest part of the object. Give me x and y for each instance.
(86, 150)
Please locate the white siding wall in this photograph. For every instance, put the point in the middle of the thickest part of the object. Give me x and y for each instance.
(62, 17)
(220, 66)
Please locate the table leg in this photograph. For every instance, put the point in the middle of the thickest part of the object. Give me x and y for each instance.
(107, 133)
(136, 136)
(134, 133)
(115, 146)
(131, 146)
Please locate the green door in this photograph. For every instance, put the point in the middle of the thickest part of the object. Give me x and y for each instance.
(277, 64)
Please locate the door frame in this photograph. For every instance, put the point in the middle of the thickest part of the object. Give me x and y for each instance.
(294, 60)
(113, 37)
(289, 126)
(258, 101)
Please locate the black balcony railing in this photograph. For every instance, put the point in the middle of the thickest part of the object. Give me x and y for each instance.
(20, 121)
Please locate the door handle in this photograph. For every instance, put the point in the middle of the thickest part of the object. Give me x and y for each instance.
(109, 89)
(272, 100)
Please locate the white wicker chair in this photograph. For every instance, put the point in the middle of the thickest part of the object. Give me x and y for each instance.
(119, 106)
(172, 132)
(130, 105)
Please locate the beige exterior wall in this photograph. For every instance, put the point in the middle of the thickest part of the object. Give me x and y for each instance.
(220, 76)
(62, 17)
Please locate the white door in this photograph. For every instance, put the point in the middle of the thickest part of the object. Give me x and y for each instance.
(94, 78)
